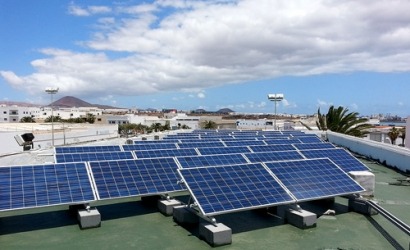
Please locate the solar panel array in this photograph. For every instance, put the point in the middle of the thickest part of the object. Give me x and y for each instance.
(339, 156)
(273, 156)
(118, 179)
(165, 153)
(313, 179)
(223, 150)
(272, 148)
(223, 170)
(210, 160)
(93, 156)
(225, 189)
(33, 186)
(87, 149)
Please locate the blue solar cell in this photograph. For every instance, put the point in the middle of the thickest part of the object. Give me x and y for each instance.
(305, 146)
(282, 141)
(308, 139)
(314, 179)
(164, 140)
(219, 190)
(125, 178)
(87, 149)
(100, 156)
(223, 150)
(149, 146)
(243, 143)
(273, 156)
(44, 185)
(292, 132)
(275, 137)
(273, 148)
(165, 153)
(210, 160)
(340, 156)
(200, 140)
(200, 144)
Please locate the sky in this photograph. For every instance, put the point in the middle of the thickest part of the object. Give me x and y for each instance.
(209, 55)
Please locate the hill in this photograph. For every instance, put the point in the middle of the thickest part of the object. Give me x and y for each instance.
(70, 102)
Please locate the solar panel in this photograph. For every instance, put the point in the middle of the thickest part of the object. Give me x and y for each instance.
(273, 156)
(210, 160)
(235, 139)
(340, 156)
(243, 143)
(308, 139)
(224, 189)
(314, 179)
(93, 156)
(282, 141)
(44, 185)
(292, 132)
(304, 146)
(149, 146)
(223, 150)
(164, 140)
(86, 149)
(272, 148)
(200, 144)
(275, 137)
(165, 153)
(200, 140)
(125, 178)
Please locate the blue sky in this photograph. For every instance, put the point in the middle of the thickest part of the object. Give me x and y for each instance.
(209, 54)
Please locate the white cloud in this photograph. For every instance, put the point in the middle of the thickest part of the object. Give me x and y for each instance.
(201, 44)
(321, 103)
(288, 104)
(77, 10)
(201, 95)
(354, 106)
(99, 9)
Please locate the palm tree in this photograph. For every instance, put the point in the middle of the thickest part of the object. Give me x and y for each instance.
(393, 135)
(402, 135)
(156, 127)
(53, 119)
(27, 119)
(209, 125)
(90, 118)
(339, 120)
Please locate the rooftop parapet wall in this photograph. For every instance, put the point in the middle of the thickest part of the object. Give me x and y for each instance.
(407, 140)
(391, 155)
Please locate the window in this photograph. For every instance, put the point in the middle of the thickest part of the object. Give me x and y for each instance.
(4, 112)
(5, 119)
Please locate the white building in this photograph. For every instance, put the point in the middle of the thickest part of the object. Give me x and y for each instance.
(182, 119)
(13, 113)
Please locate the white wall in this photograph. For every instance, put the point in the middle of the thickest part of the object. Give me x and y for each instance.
(391, 155)
(407, 140)
(69, 135)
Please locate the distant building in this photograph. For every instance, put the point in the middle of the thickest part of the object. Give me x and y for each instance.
(12, 114)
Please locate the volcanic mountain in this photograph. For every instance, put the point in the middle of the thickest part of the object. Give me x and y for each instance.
(70, 102)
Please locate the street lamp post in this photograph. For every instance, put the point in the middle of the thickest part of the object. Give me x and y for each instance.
(275, 98)
(52, 91)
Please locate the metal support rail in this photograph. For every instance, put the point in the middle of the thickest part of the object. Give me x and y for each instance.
(397, 222)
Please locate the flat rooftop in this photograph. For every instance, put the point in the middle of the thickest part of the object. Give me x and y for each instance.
(131, 223)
